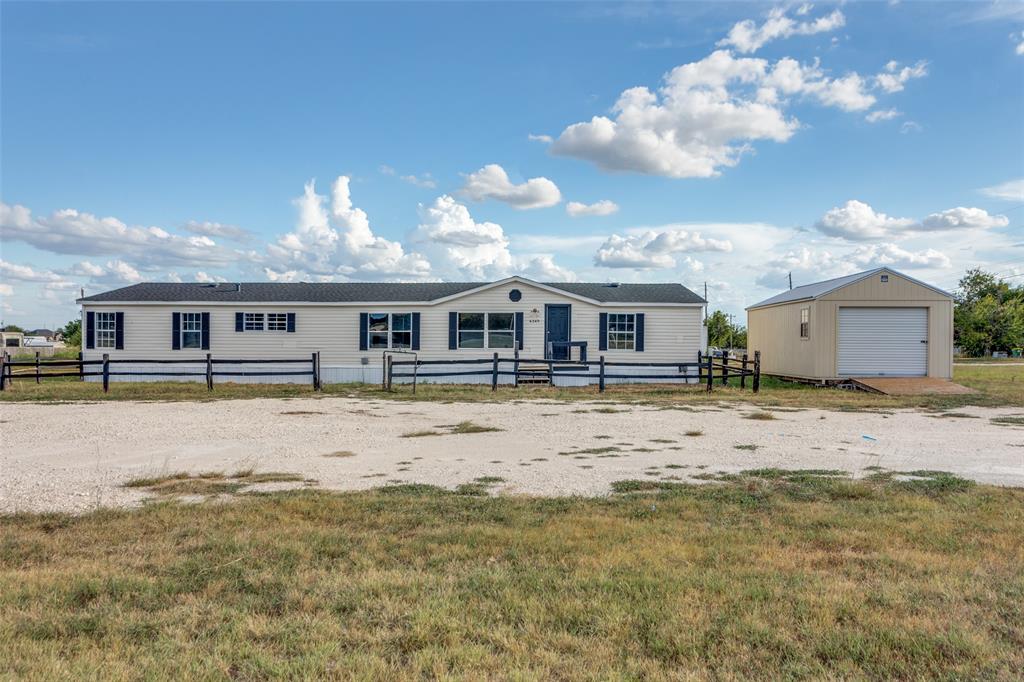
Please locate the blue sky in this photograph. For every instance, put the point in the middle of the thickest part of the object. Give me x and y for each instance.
(728, 143)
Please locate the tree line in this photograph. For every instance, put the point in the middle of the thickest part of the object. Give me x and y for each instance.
(988, 314)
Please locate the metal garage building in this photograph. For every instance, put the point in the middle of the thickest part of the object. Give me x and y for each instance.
(879, 323)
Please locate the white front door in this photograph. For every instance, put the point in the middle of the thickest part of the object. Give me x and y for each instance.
(880, 342)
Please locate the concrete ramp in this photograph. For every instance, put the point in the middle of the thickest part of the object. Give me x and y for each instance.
(910, 386)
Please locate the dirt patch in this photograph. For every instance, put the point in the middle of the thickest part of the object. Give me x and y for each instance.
(77, 457)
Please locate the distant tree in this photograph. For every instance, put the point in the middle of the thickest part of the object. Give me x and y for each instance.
(723, 333)
(72, 333)
(988, 314)
(13, 328)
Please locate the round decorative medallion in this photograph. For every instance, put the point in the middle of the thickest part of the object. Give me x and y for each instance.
(515, 295)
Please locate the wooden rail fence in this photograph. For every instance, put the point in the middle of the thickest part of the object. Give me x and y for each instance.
(38, 370)
(707, 370)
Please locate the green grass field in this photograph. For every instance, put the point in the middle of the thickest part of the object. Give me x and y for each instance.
(997, 385)
(770, 576)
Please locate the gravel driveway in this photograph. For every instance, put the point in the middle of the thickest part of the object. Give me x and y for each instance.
(74, 457)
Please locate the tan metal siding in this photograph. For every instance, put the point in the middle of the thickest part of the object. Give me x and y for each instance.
(672, 333)
(775, 330)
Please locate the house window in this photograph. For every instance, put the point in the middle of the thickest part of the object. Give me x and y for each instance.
(277, 322)
(389, 330)
(254, 322)
(621, 331)
(805, 323)
(191, 330)
(106, 330)
(487, 330)
(885, 278)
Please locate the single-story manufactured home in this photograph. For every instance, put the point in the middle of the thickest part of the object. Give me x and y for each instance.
(351, 325)
(879, 323)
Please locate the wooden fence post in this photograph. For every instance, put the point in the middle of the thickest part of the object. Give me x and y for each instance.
(725, 368)
(600, 380)
(209, 372)
(515, 367)
(37, 367)
(757, 371)
(494, 373)
(316, 370)
(3, 370)
(81, 367)
(106, 372)
(711, 370)
(743, 372)
(390, 362)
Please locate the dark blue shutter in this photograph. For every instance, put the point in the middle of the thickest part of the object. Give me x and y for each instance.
(90, 329)
(175, 331)
(519, 331)
(639, 345)
(291, 322)
(364, 327)
(415, 331)
(602, 334)
(239, 322)
(118, 331)
(206, 331)
(453, 331)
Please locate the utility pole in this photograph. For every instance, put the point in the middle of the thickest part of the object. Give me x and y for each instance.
(790, 280)
(730, 329)
(705, 302)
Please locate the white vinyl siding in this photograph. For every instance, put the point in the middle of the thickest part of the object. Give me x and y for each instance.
(671, 333)
(883, 341)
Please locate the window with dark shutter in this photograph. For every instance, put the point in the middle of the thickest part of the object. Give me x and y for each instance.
(118, 331)
(364, 326)
(90, 329)
(206, 331)
(175, 331)
(602, 334)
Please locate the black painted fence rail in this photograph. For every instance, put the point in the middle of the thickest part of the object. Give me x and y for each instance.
(39, 370)
(708, 370)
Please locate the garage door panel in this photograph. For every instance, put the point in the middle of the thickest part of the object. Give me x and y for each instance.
(883, 342)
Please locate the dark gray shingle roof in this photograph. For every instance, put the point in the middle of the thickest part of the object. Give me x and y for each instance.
(353, 292)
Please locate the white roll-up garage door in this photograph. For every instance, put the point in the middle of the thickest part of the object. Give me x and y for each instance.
(883, 342)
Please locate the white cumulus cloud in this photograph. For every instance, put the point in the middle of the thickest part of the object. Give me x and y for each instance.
(706, 115)
(856, 220)
(492, 182)
(889, 254)
(1011, 190)
(341, 242)
(963, 218)
(653, 249)
(894, 79)
(882, 115)
(68, 231)
(211, 229)
(747, 36)
(599, 208)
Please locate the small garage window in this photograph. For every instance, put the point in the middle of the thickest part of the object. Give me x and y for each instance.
(805, 323)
